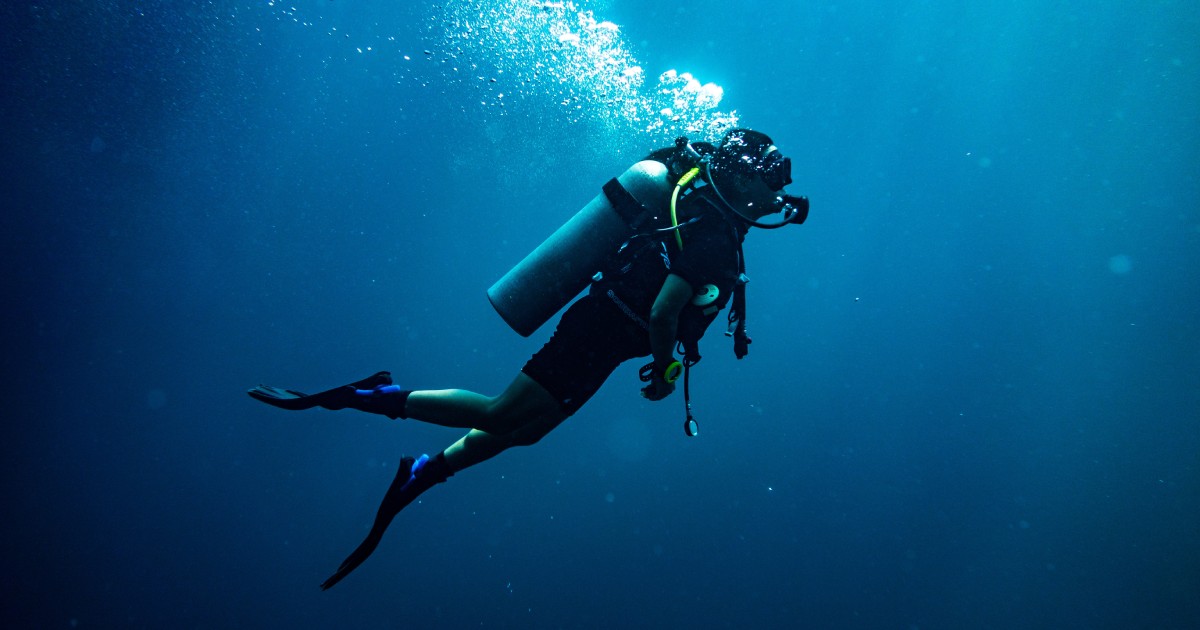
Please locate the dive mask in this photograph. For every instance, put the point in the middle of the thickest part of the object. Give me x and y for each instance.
(775, 170)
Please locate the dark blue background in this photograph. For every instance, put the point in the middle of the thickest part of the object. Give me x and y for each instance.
(972, 400)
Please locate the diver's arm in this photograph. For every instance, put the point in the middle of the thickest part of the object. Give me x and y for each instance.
(664, 321)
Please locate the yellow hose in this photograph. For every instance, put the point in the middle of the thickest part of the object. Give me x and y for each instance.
(683, 181)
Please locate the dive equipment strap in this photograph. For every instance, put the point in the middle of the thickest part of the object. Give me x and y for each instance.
(737, 311)
(628, 208)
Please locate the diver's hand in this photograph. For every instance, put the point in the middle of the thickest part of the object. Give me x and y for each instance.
(658, 389)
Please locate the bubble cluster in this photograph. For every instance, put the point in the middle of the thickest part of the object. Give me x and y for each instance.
(557, 52)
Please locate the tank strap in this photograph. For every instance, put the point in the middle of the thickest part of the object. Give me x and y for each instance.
(630, 210)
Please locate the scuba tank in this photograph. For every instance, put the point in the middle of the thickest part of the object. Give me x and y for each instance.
(557, 270)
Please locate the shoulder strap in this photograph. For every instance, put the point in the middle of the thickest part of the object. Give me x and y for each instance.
(737, 310)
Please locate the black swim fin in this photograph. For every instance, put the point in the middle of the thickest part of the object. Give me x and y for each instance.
(414, 477)
(336, 398)
(387, 511)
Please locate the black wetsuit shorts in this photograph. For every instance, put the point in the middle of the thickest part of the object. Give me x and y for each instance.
(591, 340)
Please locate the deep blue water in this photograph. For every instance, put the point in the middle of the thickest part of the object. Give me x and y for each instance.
(972, 399)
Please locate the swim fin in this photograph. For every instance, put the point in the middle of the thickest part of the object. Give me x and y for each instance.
(383, 518)
(336, 398)
(414, 477)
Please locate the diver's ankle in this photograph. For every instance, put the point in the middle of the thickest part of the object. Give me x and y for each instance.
(386, 400)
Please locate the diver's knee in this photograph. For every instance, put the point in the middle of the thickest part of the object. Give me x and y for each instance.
(501, 418)
(525, 436)
(515, 433)
(532, 432)
(506, 414)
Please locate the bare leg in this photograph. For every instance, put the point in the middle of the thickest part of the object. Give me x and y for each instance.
(520, 416)
(478, 446)
(523, 402)
(472, 448)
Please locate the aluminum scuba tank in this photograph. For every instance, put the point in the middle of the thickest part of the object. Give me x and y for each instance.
(557, 270)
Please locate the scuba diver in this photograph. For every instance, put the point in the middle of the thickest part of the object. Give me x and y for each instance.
(660, 247)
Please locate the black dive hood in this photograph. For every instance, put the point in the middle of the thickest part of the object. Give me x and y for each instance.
(794, 208)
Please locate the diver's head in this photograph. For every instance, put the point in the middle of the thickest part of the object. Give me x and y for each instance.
(752, 153)
(751, 173)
